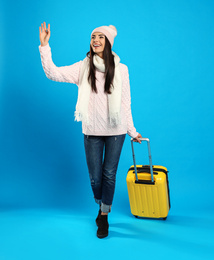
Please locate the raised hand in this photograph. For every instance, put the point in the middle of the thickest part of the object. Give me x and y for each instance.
(44, 34)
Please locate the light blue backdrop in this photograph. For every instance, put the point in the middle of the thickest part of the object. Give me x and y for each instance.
(168, 48)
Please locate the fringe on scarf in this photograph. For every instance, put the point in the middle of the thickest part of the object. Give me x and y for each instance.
(114, 119)
(79, 117)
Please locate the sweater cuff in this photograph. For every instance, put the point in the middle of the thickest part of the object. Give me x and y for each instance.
(133, 134)
(45, 48)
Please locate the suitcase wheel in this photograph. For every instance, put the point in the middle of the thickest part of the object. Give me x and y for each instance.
(136, 216)
(165, 218)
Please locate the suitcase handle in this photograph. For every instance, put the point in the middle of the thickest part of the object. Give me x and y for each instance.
(150, 157)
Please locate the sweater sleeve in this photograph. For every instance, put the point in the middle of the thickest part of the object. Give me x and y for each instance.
(126, 101)
(69, 74)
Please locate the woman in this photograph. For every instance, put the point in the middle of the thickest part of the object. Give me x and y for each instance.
(103, 106)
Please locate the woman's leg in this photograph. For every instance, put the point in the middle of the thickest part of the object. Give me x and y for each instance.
(94, 146)
(103, 173)
(113, 148)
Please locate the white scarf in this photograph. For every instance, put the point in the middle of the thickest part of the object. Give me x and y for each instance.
(84, 91)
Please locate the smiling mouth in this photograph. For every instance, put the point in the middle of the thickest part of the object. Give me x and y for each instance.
(96, 46)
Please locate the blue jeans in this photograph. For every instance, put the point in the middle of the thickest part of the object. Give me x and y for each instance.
(102, 156)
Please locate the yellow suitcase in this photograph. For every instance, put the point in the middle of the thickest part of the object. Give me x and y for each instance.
(148, 188)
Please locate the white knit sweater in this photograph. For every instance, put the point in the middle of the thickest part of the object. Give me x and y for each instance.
(98, 103)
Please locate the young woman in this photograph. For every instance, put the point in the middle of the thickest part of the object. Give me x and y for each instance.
(103, 106)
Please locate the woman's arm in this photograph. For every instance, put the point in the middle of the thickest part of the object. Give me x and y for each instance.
(126, 100)
(68, 74)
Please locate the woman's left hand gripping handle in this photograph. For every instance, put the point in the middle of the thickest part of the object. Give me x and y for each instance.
(136, 139)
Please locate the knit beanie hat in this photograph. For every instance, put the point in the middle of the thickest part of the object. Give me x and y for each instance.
(109, 31)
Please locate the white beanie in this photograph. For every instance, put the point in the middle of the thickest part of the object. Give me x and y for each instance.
(109, 31)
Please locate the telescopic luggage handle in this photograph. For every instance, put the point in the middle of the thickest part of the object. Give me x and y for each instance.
(150, 157)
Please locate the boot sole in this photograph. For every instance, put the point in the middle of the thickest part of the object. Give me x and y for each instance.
(102, 236)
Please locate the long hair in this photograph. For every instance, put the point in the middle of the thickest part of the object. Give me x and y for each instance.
(109, 68)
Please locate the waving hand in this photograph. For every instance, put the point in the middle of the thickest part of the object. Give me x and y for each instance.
(44, 34)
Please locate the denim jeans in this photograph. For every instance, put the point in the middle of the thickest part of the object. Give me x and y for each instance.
(102, 156)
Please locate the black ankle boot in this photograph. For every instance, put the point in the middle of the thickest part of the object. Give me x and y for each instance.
(103, 226)
(98, 218)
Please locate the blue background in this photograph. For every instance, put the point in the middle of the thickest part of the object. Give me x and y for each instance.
(168, 48)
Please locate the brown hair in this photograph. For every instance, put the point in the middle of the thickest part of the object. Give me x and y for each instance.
(109, 68)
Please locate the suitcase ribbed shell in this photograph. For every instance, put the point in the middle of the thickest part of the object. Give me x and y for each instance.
(148, 200)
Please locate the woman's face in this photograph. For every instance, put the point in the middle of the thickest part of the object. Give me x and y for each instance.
(98, 43)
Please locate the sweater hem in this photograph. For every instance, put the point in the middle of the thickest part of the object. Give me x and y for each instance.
(104, 133)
